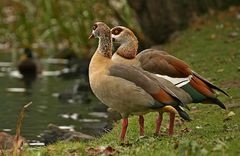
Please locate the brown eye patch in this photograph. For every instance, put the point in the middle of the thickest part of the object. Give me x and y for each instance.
(94, 27)
(117, 31)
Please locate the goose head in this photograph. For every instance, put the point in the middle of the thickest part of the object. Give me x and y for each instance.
(126, 40)
(99, 30)
(28, 52)
(123, 35)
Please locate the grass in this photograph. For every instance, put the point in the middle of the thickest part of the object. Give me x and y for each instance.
(48, 26)
(213, 52)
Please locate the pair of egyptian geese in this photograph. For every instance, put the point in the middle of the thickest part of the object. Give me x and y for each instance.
(151, 81)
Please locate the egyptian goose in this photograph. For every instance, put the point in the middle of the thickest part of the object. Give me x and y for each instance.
(166, 66)
(29, 67)
(126, 89)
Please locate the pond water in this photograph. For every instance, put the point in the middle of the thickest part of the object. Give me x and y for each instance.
(87, 116)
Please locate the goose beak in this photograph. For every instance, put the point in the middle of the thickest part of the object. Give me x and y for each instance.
(91, 36)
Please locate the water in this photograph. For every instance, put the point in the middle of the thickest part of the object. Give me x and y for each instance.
(88, 117)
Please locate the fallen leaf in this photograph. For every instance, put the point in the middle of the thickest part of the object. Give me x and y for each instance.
(231, 113)
(233, 34)
(219, 145)
(213, 36)
(186, 130)
(92, 151)
(199, 127)
(229, 116)
(101, 150)
(204, 151)
(219, 26)
(109, 150)
(220, 70)
(238, 16)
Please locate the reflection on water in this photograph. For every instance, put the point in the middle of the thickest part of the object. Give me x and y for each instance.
(87, 116)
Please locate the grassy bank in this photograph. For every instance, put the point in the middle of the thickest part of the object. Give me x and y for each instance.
(211, 47)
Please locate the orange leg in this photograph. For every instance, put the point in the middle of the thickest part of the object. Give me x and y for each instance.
(141, 124)
(171, 124)
(124, 128)
(158, 123)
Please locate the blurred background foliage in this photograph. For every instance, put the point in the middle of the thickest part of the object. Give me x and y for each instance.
(48, 26)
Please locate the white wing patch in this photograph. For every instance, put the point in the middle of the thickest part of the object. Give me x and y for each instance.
(179, 82)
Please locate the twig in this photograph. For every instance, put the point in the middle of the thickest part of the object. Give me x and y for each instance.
(18, 127)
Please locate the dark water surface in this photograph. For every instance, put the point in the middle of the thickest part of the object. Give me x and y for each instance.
(88, 117)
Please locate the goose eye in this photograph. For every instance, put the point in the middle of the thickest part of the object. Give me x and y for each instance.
(117, 31)
(94, 27)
